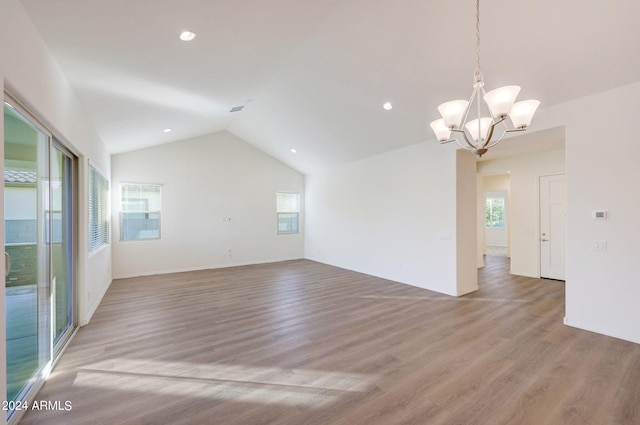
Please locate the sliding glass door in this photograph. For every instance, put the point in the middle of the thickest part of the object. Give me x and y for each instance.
(60, 209)
(26, 164)
(39, 179)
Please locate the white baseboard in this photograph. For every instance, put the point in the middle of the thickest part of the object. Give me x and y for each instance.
(601, 330)
(203, 267)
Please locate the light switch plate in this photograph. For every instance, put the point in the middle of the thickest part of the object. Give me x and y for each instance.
(599, 245)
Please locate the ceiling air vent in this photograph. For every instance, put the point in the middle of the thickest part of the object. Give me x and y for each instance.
(236, 108)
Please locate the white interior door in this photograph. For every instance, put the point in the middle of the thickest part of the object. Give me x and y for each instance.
(552, 226)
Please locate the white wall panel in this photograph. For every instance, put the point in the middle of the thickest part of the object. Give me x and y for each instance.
(392, 215)
(603, 287)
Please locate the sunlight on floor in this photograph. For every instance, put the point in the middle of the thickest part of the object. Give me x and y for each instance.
(221, 381)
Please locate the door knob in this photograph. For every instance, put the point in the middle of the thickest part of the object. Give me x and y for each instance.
(544, 240)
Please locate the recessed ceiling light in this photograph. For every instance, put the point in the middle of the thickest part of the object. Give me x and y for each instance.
(187, 35)
(387, 106)
(294, 151)
(167, 130)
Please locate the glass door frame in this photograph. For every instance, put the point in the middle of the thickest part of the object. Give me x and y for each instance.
(49, 350)
(41, 352)
(60, 343)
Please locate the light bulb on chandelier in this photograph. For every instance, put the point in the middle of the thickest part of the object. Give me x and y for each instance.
(480, 134)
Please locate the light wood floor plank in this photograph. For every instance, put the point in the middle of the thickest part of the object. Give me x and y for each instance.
(302, 343)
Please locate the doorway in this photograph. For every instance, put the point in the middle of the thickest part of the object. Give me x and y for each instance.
(39, 196)
(496, 218)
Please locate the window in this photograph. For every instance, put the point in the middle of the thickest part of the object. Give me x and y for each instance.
(288, 213)
(495, 210)
(98, 209)
(140, 211)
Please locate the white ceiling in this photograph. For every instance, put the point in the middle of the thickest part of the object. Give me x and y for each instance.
(313, 75)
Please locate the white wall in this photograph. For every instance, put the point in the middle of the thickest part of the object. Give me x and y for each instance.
(392, 216)
(465, 209)
(523, 206)
(603, 287)
(497, 237)
(218, 194)
(29, 72)
(32, 75)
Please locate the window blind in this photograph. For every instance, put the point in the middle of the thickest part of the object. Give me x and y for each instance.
(98, 209)
(288, 202)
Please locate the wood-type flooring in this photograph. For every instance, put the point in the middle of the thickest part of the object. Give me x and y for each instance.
(302, 343)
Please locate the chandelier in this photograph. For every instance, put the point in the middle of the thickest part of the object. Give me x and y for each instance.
(480, 134)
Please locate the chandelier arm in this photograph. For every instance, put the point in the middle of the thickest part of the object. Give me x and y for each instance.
(470, 145)
(495, 142)
(467, 148)
(466, 114)
(487, 144)
(504, 134)
(492, 128)
(507, 130)
(455, 139)
(444, 142)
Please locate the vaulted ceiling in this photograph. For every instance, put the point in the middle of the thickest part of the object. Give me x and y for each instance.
(313, 75)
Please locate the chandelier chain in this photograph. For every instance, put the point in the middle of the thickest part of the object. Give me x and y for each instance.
(478, 73)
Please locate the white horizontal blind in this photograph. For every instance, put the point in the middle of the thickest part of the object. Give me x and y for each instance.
(98, 209)
(140, 211)
(288, 202)
(288, 210)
